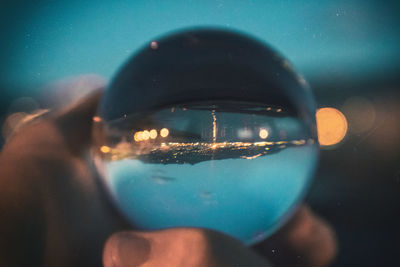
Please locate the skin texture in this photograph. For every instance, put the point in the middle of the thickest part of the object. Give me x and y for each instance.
(54, 212)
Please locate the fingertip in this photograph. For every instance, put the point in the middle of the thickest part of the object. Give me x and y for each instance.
(76, 120)
(126, 249)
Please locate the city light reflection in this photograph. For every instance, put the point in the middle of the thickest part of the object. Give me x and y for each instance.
(138, 136)
(153, 134)
(246, 150)
(145, 135)
(105, 149)
(164, 132)
(263, 133)
(152, 145)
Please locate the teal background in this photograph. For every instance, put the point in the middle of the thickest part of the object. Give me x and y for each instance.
(50, 40)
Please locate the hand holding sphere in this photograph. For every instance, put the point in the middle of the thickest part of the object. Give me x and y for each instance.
(207, 128)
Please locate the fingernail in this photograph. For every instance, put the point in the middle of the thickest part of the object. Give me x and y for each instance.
(126, 249)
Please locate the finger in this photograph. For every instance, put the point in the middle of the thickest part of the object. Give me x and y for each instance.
(50, 199)
(178, 247)
(306, 240)
(75, 121)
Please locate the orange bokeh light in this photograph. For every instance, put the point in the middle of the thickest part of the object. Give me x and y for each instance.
(145, 135)
(105, 149)
(332, 126)
(96, 119)
(153, 134)
(164, 132)
(138, 136)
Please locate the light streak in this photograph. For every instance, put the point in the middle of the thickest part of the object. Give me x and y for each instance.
(252, 157)
(214, 126)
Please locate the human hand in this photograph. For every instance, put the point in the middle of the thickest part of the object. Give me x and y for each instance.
(305, 240)
(55, 212)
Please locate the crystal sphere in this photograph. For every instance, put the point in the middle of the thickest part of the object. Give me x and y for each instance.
(207, 128)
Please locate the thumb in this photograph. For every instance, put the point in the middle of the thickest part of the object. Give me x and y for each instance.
(126, 249)
(179, 247)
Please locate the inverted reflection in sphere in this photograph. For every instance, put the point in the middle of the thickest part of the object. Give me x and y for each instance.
(211, 129)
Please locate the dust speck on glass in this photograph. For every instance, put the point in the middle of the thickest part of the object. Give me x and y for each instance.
(207, 128)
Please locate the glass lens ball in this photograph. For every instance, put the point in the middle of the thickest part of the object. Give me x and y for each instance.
(207, 128)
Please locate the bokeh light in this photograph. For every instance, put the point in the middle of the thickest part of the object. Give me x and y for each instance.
(153, 134)
(164, 132)
(138, 136)
(154, 45)
(360, 113)
(145, 135)
(105, 149)
(96, 119)
(263, 133)
(332, 126)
